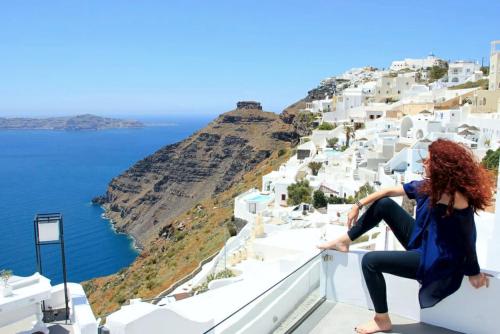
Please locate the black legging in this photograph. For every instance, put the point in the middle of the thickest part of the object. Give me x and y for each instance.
(399, 263)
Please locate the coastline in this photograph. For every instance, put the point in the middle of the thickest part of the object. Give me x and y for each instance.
(136, 245)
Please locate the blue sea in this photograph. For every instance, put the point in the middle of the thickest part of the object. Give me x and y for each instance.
(60, 171)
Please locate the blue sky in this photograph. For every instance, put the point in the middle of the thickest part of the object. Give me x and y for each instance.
(161, 57)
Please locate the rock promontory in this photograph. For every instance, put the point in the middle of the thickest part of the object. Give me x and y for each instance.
(146, 197)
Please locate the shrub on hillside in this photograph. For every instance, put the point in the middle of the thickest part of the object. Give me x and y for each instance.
(332, 142)
(325, 126)
(364, 191)
(335, 200)
(319, 199)
(299, 192)
(315, 167)
(490, 160)
(437, 72)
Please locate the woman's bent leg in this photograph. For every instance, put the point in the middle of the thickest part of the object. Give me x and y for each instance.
(399, 263)
(400, 222)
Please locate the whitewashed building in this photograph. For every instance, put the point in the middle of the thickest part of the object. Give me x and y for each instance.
(462, 71)
(494, 77)
(415, 64)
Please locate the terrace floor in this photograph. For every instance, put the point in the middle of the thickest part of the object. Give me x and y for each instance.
(331, 317)
(23, 326)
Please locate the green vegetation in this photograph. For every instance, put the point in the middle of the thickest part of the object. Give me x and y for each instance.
(281, 152)
(485, 70)
(319, 199)
(490, 160)
(5, 274)
(437, 72)
(305, 118)
(231, 228)
(332, 142)
(483, 84)
(325, 126)
(335, 200)
(315, 167)
(226, 273)
(299, 192)
(363, 191)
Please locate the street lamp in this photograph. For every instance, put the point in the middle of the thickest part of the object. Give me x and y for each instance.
(48, 231)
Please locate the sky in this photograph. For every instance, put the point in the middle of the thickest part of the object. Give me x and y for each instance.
(191, 57)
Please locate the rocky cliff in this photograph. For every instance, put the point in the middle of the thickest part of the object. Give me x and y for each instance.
(179, 201)
(146, 197)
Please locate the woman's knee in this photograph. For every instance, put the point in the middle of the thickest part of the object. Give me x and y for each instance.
(384, 203)
(369, 261)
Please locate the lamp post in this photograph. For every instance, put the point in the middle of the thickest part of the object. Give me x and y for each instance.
(48, 231)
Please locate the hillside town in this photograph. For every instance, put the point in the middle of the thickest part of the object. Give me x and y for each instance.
(370, 129)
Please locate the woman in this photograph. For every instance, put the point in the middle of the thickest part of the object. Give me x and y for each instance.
(439, 242)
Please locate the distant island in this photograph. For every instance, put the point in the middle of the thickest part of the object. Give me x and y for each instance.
(71, 123)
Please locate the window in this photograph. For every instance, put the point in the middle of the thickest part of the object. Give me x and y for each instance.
(283, 197)
(484, 101)
(399, 92)
(253, 208)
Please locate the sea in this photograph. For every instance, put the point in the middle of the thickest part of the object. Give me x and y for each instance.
(44, 171)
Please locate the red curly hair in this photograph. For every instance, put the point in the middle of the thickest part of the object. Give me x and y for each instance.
(453, 167)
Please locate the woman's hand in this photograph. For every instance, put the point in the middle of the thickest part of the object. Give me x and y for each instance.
(479, 280)
(352, 217)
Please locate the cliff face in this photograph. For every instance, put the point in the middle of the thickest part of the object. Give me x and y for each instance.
(145, 198)
(301, 121)
(178, 202)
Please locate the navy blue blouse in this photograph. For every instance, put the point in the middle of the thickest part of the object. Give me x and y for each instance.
(447, 247)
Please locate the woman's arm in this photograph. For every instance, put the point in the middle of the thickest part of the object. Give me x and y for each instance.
(387, 192)
(471, 266)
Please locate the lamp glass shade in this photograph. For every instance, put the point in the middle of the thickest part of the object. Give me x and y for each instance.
(48, 231)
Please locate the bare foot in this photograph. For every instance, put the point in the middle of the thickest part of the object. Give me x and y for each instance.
(341, 244)
(378, 324)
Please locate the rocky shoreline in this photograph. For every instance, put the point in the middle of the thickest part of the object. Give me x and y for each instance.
(135, 243)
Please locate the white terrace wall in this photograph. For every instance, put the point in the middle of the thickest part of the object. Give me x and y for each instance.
(467, 310)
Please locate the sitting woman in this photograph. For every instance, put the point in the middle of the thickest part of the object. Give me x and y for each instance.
(439, 242)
